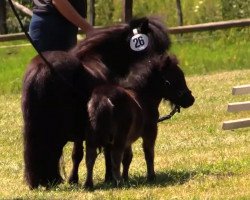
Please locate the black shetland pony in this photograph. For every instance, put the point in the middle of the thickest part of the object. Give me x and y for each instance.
(119, 116)
(54, 99)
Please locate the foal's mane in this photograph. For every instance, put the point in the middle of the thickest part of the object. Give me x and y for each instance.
(140, 72)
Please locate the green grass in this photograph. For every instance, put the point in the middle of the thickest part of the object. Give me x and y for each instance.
(13, 61)
(199, 53)
(194, 159)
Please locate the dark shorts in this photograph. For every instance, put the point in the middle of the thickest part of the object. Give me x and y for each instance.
(52, 32)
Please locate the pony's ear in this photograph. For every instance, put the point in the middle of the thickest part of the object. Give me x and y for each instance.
(142, 24)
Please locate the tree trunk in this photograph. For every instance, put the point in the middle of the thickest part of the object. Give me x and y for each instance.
(179, 11)
(127, 10)
(3, 26)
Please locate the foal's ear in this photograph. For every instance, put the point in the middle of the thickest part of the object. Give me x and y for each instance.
(170, 60)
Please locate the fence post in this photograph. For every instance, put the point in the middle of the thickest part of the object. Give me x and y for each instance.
(3, 26)
(127, 12)
(179, 11)
(92, 12)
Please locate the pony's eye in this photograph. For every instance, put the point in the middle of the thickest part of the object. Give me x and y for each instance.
(167, 83)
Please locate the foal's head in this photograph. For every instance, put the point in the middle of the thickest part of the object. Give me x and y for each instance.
(173, 84)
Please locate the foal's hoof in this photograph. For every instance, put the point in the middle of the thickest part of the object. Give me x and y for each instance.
(151, 178)
(73, 180)
(119, 183)
(89, 185)
(108, 179)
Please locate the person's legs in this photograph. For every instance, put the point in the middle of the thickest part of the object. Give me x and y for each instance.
(52, 32)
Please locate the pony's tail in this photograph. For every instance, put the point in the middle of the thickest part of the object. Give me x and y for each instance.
(40, 154)
(101, 118)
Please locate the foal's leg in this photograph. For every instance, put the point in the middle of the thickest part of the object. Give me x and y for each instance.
(91, 155)
(77, 156)
(108, 164)
(148, 148)
(127, 158)
(116, 159)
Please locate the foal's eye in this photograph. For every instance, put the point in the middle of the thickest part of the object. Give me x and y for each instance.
(167, 83)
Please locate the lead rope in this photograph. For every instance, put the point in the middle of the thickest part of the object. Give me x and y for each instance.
(170, 115)
(62, 161)
(26, 33)
(50, 66)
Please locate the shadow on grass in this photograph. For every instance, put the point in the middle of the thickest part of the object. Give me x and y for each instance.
(163, 179)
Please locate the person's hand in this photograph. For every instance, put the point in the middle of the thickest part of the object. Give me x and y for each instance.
(88, 29)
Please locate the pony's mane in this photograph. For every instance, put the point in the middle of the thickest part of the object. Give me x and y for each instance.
(101, 36)
(97, 38)
(111, 46)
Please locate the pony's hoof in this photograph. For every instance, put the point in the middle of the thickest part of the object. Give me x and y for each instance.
(54, 183)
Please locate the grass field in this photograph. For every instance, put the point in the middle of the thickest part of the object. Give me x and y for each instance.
(194, 159)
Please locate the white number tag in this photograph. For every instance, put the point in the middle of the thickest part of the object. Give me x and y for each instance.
(139, 42)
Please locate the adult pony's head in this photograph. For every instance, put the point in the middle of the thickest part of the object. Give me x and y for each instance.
(112, 45)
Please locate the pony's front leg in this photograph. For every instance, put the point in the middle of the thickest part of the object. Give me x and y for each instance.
(91, 155)
(127, 158)
(77, 156)
(148, 148)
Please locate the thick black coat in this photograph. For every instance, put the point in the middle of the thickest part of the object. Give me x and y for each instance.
(54, 98)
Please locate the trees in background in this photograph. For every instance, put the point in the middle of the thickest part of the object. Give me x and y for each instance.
(235, 9)
(179, 12)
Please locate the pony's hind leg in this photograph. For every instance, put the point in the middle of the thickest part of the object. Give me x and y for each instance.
(127, 158)
(77, 156)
